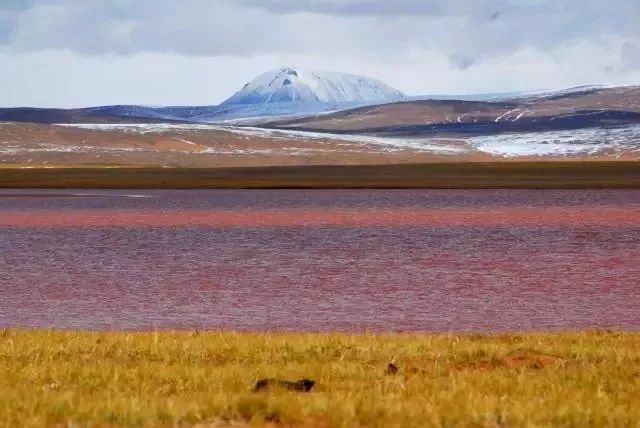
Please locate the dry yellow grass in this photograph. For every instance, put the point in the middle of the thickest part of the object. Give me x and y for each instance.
(52, 378)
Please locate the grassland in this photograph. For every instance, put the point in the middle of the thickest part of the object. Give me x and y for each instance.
(162, 379)
(464, 175)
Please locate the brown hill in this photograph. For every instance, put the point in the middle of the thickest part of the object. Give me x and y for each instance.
(570, 110)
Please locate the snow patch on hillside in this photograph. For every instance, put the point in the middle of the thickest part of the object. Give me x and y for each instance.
(579, 142)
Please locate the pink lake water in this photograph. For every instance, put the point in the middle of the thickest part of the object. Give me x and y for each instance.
(320, 260)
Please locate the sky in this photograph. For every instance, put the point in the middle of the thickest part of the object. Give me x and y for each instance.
(72, 53)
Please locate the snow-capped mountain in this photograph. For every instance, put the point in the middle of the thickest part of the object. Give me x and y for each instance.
(294, 85)
(284, 92)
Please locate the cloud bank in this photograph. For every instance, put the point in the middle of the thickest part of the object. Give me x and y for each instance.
(420, 46)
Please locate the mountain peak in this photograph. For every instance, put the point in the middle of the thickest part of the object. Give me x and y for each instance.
(294, 85)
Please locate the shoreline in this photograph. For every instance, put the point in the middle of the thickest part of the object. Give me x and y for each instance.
(461, 175)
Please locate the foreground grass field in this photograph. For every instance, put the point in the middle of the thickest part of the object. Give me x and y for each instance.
(205, 379)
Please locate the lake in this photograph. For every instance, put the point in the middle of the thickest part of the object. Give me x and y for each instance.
(320, 260)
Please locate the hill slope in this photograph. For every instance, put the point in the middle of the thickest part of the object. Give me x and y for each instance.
(561, 110)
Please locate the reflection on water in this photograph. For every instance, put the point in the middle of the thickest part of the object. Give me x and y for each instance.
(403, 260)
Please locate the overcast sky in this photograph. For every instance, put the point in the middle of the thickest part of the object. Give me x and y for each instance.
(69, 53)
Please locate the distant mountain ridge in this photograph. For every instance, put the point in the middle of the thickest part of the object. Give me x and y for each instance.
(295, 97)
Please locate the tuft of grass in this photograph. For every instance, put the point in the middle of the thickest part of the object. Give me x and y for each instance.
(158, 379)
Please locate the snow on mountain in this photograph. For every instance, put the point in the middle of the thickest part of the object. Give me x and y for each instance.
(293, 85)
(518, 95)
(560, 93)
(180, 113)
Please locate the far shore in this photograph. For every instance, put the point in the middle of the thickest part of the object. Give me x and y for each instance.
(460, 175)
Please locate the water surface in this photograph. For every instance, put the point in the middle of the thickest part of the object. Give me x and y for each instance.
(383, 260)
